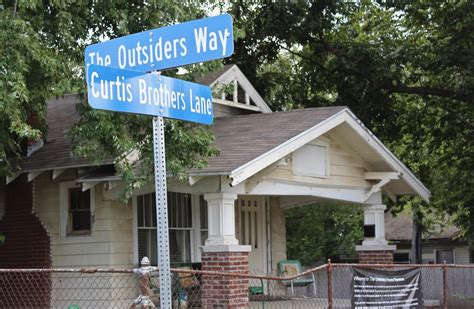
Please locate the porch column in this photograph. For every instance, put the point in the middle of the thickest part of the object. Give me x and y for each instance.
(222, 253)
(375, 248)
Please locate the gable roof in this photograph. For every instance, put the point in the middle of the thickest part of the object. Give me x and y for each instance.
(231, 73)
(250, 143)
(242, 139)
(247, 143)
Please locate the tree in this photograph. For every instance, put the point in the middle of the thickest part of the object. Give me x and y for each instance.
(405, 68)
(318, 232)
(42, 56)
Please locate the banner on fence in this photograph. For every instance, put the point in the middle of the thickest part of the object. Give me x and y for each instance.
(386, 289)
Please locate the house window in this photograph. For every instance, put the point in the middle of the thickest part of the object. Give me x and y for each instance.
(146, 223)
(180, 226)
(79, 219)
(184, 229)
(444, 255)
(401, 258)
(76, 210)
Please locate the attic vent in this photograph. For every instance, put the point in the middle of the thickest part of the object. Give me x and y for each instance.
(311, 160)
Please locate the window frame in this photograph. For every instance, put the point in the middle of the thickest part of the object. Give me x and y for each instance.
(195, 230)
(64, 212)
(399, 253)
(314, 143)
(453, 251)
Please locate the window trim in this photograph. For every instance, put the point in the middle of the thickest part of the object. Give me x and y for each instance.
(64, 212)
(318, 143)
(435, 251)
(195, 230)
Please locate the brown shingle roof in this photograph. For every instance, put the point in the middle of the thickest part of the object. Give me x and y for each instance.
(239, 138)
(243, 138)
(57, 149)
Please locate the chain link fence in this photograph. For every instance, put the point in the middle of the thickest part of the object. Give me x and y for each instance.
(326, 286)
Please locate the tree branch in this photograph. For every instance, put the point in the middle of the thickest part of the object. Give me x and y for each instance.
(433, 91)
(399, 87)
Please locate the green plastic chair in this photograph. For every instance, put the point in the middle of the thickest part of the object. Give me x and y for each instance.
(289, 268)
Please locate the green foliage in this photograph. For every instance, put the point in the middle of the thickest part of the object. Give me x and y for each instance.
(42, 47)
(30, 73)
(318, 232)
(127, 141)
(405, 68)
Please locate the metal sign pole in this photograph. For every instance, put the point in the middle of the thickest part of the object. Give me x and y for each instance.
(161, 212)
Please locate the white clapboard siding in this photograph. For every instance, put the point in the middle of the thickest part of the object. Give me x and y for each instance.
(344, 169)
(110, 244)
(462, 255)
(284, 173)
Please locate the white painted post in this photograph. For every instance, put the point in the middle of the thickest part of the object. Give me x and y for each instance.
(374, 215)
(221, 219)
(235, 93)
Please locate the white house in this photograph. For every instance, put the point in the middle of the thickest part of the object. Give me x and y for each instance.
(269, 161)
(442, 243)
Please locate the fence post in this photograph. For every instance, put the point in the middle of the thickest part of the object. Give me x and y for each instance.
(445, 285)
(143, 300)
(329, 272)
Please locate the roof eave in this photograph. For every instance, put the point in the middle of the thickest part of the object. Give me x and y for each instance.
(248, 169)
(392, 160)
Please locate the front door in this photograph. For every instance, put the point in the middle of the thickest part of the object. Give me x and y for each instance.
(251, 225)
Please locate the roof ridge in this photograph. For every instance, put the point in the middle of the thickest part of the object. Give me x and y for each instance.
(340, 107)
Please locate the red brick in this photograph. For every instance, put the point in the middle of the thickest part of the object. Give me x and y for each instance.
(229, 292)
(27, 245)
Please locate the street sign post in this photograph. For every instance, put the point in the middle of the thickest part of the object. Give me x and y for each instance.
(190, 42)
(148, 94)
(116, 82)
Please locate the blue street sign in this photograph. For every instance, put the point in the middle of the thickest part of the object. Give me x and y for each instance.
(190, 42)
(148, 94)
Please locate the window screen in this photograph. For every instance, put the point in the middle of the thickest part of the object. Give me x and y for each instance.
(179, 224)
(79, 221)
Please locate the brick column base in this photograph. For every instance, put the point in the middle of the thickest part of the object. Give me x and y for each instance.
(221, 291)
(376, 257)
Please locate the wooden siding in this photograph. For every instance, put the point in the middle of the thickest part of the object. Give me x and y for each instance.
(221, 110)
(278, 233)
(344, 169)
(461, 255)
(461, 251)
(110, 244)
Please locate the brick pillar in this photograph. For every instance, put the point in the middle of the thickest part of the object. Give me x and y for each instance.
(376, 257)
(223, 253)
(223, 291)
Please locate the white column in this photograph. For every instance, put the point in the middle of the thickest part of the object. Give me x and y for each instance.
(221, 223)
(374, 215)
(221, 219)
